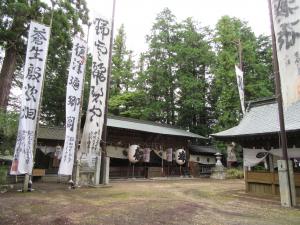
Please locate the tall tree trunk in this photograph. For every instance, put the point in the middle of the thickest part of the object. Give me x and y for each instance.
(6, 75)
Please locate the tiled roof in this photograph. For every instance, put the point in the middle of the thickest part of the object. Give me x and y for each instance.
(58, 133)
(147, 126)
(196, 149)
(51, 133)
(264, 119)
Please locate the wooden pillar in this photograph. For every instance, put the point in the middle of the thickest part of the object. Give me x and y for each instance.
(246, 179)
(271, 166)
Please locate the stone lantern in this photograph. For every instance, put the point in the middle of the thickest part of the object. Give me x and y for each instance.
(218, 171)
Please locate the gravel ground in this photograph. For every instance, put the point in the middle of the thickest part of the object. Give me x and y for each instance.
(193, 201)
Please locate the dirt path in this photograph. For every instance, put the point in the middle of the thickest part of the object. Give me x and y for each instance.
(198, 201)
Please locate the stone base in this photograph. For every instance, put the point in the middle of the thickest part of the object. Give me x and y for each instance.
(287, 195)
(101, 186)
(86, 178)
(218, 172)
(218, 175)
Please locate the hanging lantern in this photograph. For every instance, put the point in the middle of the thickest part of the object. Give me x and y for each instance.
(135, 154)
(180, 156)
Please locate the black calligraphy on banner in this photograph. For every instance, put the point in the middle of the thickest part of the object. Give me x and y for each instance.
(96, 95)
(284, 8)
(73, 101)
(99, 71)
(80, 51)
(37, 48)
(77, 65)
(93, 142)
(101, 26)
(24, 143)
(288, 34)
(101, 48)
(34, 73)
(74, 82)
(240, 83)
(70, 122)
(68, 149)
(95, 112)
(36, 53)
(39, 36)
(30, 93)
(297, 62)
(90, 142)
(28, 113)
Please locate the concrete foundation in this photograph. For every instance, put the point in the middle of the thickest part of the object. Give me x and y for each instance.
(97, 173)
(106, 173)
(287, 195)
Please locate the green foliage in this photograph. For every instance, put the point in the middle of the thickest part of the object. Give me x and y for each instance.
(256, 65)
(122, 82)
(129, 104)
(259, 167)
(3, 174)
(8, 132)
(185, 78)
(14, 23)
(194, 57)
(67, 19)
(160, 72)
(234, 173)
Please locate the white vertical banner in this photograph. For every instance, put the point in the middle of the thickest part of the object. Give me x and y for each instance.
(92, 132)
(37, 49)
(286, 17)
(240, 82)
(73, 99)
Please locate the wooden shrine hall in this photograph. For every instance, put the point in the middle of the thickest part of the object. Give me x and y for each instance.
(123, 132)
(259, 135)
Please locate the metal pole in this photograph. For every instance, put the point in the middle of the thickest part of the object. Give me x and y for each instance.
(104, 135)
(240, 54)
(162, 164)
(279, 99)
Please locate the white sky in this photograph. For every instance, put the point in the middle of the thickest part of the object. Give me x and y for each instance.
(139, 15)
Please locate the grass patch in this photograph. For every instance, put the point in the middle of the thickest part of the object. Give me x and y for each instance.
(234, 173)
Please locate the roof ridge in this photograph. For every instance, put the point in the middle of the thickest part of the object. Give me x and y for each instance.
(145, 122)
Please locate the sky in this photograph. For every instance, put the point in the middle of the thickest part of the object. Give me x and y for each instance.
(138, 16)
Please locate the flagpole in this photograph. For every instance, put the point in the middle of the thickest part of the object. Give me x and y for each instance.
(104, 135)
(279, 100)
(240, 54)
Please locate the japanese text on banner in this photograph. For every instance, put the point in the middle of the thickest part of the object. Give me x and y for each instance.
(286, 17)
(37, 48)
(90, 142)
(73, 99)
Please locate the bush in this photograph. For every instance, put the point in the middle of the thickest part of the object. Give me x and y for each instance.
(8, 132)
(3, 174)
(234, 173)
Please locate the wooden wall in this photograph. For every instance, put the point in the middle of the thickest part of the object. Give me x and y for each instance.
(267, 182)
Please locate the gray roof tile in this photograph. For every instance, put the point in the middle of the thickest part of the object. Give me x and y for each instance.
(264, 119)
(58, 133)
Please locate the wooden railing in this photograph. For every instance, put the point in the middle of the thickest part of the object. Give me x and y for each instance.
(267, 182)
